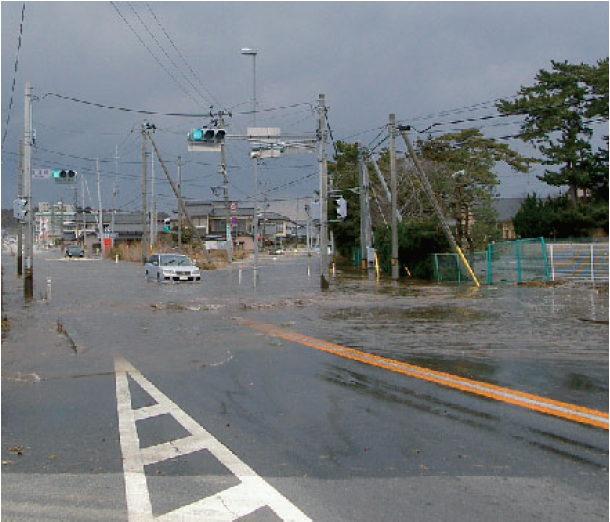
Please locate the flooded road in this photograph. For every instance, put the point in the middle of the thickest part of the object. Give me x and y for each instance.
(318, 426)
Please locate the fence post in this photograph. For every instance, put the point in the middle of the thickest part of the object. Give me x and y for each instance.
(518, 261)
(489, 277)
(546, 264)
(592, 265)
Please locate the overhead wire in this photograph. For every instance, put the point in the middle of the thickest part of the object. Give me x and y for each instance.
(213, 99)
(150, 33)
(155, 57)
(10, 104)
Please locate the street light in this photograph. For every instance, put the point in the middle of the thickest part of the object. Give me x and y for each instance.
(251, 52)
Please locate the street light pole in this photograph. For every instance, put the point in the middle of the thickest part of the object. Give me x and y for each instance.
(251, 52)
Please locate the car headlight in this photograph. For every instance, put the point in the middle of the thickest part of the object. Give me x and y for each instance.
(168, 271)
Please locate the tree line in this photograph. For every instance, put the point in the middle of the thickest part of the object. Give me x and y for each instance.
(559, 113)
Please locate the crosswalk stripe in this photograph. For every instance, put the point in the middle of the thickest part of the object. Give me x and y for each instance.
(251, 494)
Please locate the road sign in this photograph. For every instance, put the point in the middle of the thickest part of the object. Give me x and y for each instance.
(233, 206)
(234, 221)
(41, 173)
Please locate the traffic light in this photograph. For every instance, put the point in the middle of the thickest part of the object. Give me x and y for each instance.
(64, 176)
(341, 208)
(207, 135)
(20, 209)
(166, 223)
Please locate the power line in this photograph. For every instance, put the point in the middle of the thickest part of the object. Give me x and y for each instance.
(167, 55)
(170, 114)
(182, 58)
(150, 51)
(10, 105)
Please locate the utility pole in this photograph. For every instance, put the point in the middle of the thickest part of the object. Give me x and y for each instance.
(114, 191)
(223, 171)
(392, 129)
(181, 202)
(144, 216)
(368, 224)
(324, 281)
(28, 282)
(19, 223)
(61, 223)
(385, 186)
(365, 237)
(179, 207)
(153, 203)
(430, 193)
(99, 204)
(82, 187)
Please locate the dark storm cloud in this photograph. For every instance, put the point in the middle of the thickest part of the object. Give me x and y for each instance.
(369, 58)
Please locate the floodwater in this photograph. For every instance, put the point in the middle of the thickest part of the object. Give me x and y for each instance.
(547, 340)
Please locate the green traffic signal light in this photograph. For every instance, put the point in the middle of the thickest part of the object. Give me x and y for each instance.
(197, 135)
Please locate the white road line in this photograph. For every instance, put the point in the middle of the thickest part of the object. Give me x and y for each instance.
(139, 507)
(251, 494)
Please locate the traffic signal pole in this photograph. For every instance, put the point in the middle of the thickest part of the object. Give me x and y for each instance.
(223, 171)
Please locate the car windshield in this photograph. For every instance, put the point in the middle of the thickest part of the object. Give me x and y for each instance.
(174, 260)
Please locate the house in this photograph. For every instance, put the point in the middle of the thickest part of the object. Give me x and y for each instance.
(61, 223)
(506, 209)
(210, 219)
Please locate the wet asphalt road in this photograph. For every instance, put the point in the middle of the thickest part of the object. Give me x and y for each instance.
(339, 439)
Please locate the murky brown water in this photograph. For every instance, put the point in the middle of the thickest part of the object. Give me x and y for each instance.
(549, 340)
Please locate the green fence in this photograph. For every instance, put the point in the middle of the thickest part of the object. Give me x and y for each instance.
(447, 267)
(506, 262)
(517, 261)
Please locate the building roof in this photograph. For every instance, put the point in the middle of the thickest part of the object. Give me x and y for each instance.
(507, 207)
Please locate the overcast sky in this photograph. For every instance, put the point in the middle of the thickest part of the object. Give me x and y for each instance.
(427, 62)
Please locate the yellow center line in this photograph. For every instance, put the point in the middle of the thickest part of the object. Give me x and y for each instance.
(564, 410)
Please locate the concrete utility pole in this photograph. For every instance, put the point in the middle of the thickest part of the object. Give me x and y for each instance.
(19, 224)
(392, 130)
(324, 277)
(99, 206)
(365, 212)
(144, 216)
(28, 282)
(114, 191)
(252, 52)
(223, 171)
(153, 202)
(430, 193)
(180, 201)
(179, 207)
(385, 186)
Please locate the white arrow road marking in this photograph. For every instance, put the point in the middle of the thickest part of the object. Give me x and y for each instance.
(251, 494)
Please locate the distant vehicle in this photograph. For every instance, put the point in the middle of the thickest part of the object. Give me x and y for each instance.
(171, 267)
(75, 251)
(277, 252)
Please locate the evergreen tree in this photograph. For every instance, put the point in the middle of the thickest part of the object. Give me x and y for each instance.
(464, 180)
(558, 110)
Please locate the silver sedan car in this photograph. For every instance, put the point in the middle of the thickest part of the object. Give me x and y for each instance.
(171, 267)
